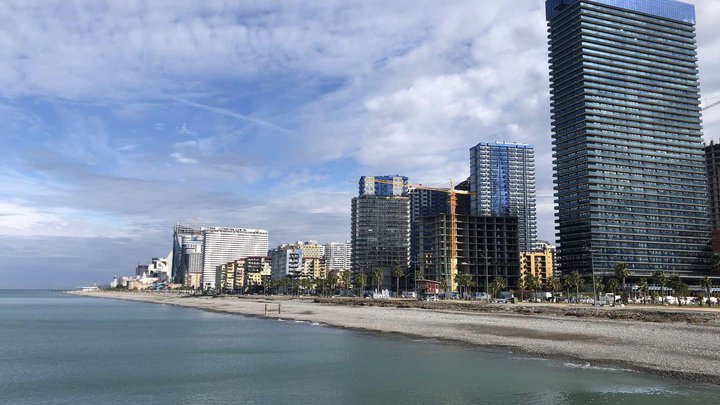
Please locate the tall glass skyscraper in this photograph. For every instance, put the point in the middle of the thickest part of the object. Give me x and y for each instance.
(502, 176)
(629, 170)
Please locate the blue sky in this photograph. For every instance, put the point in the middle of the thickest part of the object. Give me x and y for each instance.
(122, 118)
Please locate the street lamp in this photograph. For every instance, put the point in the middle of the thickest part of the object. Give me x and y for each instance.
(588, 248)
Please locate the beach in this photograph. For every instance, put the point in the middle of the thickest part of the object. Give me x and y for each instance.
(679, 349)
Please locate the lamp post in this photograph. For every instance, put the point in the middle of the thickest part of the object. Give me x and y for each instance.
(589, 249)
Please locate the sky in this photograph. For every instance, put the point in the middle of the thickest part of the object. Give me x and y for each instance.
(123, 118)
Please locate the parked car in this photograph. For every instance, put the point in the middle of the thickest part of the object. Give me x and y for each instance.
(431, 298)
(480, 296)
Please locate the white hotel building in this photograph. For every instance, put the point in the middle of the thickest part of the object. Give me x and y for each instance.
(222, 245)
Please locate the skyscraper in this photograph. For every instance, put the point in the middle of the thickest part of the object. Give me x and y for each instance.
(222, 245)
(629, 170)
(380, 234)
(502, 176)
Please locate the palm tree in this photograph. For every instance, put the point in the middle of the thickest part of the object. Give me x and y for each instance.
(497, 285)
(535, 284)
(707, 284)
(622, 271)
(378, 277)
(555, 285)
(644, 288)
(521, 285)
(599, 286)
(464, 281)
(346, 279)
(397, 273)
(332, 279)
(659, 277)
(361, 280)
(578, 282)
(567, 283)
(613, 285)
(443, 283)
(418, 275)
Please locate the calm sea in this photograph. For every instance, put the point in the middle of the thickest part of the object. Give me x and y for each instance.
(57, 349)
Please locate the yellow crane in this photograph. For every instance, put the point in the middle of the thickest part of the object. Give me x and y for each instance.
(452, 205)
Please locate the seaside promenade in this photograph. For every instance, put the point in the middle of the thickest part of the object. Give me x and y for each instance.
(664, 341)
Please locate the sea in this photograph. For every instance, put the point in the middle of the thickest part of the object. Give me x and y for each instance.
(63, 349)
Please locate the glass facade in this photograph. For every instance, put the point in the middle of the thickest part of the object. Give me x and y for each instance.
(502, 176)
(627, 141)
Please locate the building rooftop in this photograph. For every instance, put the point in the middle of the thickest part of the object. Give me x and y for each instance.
(670, 9)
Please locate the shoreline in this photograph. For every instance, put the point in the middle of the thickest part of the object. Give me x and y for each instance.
(670, 349)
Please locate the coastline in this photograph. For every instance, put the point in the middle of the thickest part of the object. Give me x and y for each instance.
(681, 350)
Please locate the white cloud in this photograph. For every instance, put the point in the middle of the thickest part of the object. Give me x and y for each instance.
(180, 158)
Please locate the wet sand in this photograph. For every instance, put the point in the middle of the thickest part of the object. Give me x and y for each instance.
(675, 349)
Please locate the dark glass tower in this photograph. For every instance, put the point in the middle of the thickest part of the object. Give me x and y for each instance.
(627, 142)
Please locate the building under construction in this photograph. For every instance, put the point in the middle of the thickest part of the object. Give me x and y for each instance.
(487, 247)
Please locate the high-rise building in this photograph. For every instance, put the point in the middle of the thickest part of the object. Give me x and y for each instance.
(380, 231)
(337, 256)
(487, 247)
(502, 176)
(187, 255)
(712, 167)
(222, 245)
(369, 186)
(627, 141)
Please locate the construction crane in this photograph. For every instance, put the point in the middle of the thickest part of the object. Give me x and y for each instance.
(452, 204)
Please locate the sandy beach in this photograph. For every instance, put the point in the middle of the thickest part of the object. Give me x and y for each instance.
(687, 350)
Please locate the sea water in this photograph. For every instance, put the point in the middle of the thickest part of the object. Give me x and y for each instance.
(62, 349)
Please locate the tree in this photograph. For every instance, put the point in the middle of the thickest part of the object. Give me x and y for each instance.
(378, 278)
(660, 278)
(534, 283)
(464, 281)
(332, 279)
(568, 284)
(497, 285)
(599, 286)
(521, 285)
(418, 275)
(612, 285)
(644, 288)
(265, 281)
(346, 279)
(443, 283)
(622, 271)
(577, 282)
(555, 285)
(398, 272)
(361, 281)
(707, 284)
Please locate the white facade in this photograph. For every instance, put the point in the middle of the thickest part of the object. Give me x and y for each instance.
(222, 245)
(337, 255)
(286, 261)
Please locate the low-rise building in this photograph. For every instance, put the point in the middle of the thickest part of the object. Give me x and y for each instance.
(538, 263)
